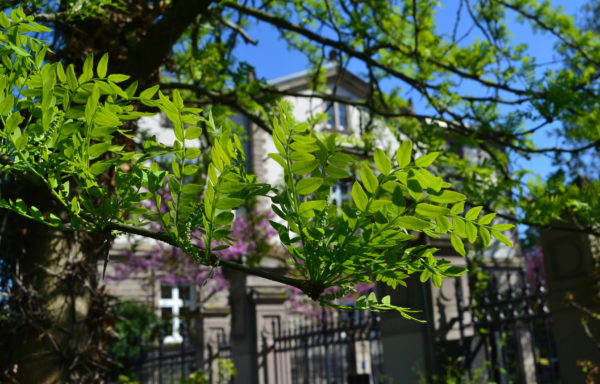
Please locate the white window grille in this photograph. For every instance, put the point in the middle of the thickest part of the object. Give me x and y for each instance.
(337, 116)
(175, 302)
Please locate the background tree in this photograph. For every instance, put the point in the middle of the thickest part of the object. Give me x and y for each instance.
(189, 46)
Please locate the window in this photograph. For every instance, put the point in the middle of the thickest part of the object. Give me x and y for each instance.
(175, 302)
(340, 192)
(337, 116)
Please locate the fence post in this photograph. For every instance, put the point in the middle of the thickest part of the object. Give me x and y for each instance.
(182, 349)
(265, 357)
(244, 343)
(407, 344)
(161, 336)
(142, 359)
(569, 266)
(209, 363)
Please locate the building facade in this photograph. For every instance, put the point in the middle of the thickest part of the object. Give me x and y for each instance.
(249, 308)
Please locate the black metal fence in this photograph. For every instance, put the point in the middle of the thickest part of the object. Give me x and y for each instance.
(333, 348)
(161, 363)
(504, 331)
(167, 363)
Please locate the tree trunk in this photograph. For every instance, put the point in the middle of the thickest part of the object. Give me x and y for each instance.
(243, 337)
(57, 324)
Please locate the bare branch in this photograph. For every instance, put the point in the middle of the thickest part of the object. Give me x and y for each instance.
(50, 17)
(339, 45)
(239, 30)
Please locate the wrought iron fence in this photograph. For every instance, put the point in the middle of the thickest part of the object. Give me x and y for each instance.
(167, 363)
(333, 348)
(162, 363)
(504, 331)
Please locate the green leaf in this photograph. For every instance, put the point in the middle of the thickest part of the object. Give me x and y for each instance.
(471, 230)
(75, 208)
(336, 172)
(98, 149)
(404, 153)
(300, 156)
(486, 219)
(278, 132)
(448, 197)
(149, 92)
(459, 226)
(502, 227)
(191, 189)
(60, 72)
(118, 78)
(99, 167)
(304, 167)
(382, 162)
(229, 202)
(190, 169)
(425, 161)
(300, 127)
(431, 182)
(88, 70)
(193, 132)
(192, 153)
(340, 159)
(473, 213)
(413, 223)
(457, 244)
(430, 210)
(308, 185)
(484, 235)
(457, 208)
(307, 208)
(91, 104)
(71, 78)
(359, 196)
(7, 104)
(503, 239)
(279, 146)
(443, 224)
(368, 178)
(304, 147)
(102, 66)
(454, 270)
(4, 20)
(436, 280)
(398, 197)
(224, 218)
(278, 158)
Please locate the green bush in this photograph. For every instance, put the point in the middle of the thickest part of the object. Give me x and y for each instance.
(134, 322)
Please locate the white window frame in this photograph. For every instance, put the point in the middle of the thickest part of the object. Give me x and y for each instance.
(338, 195)
(336, 116)
(175, 303)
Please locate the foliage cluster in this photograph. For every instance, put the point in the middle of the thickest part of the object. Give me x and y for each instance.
(61, 129)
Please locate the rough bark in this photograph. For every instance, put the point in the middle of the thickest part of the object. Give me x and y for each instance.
(57, 324)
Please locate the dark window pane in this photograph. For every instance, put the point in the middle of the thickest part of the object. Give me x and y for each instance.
(166, 313)
(184, 292)
(330, 118)
(342, 118)
(166, 291)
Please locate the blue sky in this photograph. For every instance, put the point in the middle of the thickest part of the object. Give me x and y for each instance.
(271, 58)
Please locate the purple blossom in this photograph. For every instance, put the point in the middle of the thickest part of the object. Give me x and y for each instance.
(534, 267)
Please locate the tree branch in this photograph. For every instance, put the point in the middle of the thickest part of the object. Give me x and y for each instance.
(339, 45)
(148, 55)
(50, 17)
(303, 285)
(238, 29)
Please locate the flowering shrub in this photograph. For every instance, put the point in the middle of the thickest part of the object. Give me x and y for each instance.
(253, 238)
